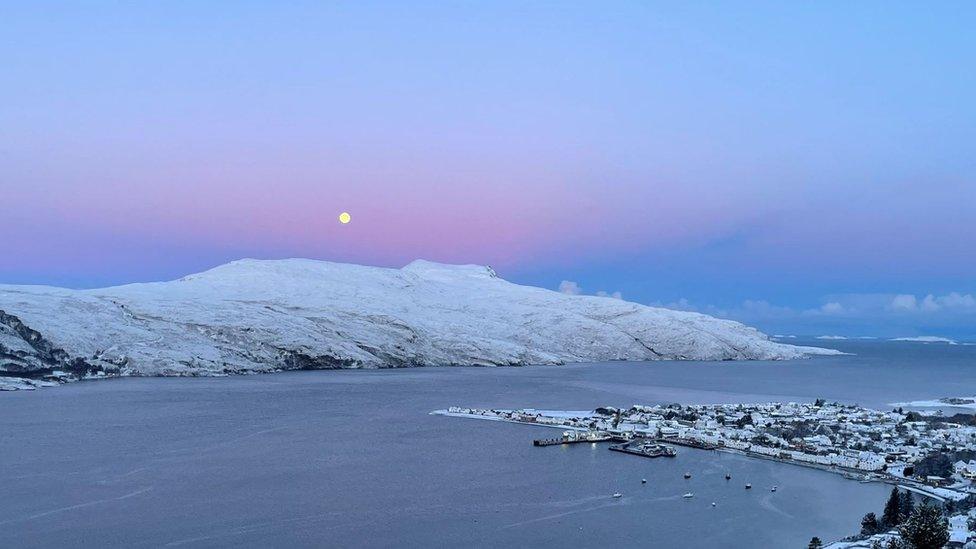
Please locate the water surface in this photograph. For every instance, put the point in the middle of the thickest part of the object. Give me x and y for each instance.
(352, 458)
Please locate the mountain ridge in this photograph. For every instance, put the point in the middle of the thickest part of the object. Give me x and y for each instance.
(256, 315)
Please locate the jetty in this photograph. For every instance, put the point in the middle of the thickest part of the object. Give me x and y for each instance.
(574, 437)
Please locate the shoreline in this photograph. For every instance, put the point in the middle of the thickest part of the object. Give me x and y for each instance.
(24, 381)
(866, 477)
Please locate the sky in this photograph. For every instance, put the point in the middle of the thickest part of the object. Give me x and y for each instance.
(804, 167)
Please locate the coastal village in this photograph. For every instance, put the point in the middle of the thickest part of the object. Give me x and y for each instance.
(932, 456)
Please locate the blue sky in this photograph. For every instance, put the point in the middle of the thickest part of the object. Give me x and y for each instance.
(800, 166)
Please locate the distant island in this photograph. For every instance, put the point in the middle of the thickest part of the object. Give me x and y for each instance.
(927, 339)
(945, 402)
(259, 316)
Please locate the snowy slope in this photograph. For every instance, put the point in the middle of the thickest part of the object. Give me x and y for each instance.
(253, 315)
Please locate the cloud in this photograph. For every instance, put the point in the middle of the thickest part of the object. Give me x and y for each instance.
(956, 300)
(832, 308)
(854, 315)
(952, 300)
(903, 302)
(931, 303)
(569, 287)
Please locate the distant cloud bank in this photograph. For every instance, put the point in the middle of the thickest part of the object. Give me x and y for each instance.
(931, 303)
(906, 317)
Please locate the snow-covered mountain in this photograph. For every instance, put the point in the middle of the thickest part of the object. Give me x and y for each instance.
(255, 316)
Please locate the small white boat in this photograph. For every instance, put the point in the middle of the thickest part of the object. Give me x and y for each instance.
(617, 495)
(748, 486)
(687, 475)
(773, 489)
(643, 481)
(713, 504)
(688, 495)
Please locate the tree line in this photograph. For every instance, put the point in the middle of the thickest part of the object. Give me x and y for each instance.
(921, 526)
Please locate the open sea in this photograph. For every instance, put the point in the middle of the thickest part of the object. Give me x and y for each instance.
(353, 458)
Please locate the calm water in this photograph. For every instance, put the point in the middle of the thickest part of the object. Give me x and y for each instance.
(345, 459)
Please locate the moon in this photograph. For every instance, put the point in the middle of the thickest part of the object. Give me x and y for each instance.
(344, 218)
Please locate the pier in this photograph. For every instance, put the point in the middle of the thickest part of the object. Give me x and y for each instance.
(574, 437)
(553, 441)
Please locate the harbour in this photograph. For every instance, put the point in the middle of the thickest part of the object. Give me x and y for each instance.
(332, 451)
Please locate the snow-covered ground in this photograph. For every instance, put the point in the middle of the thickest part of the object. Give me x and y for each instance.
(23, 384)
(927, 339)
(947, 402)
(255, 316)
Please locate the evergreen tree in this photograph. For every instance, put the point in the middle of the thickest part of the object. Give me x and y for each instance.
(926, 528)
(892, 510)
(869, 525)
(906, 506)
(815, 543)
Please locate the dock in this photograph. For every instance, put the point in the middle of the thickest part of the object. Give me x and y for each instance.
(552, 441)
(574, 437)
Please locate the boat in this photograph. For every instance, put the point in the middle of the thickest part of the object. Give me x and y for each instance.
(688, 495)
(617, 495)
(713, 504)
(748, 486)
(728, 476)
(643, 481)
(687, 475)
(773, 489)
